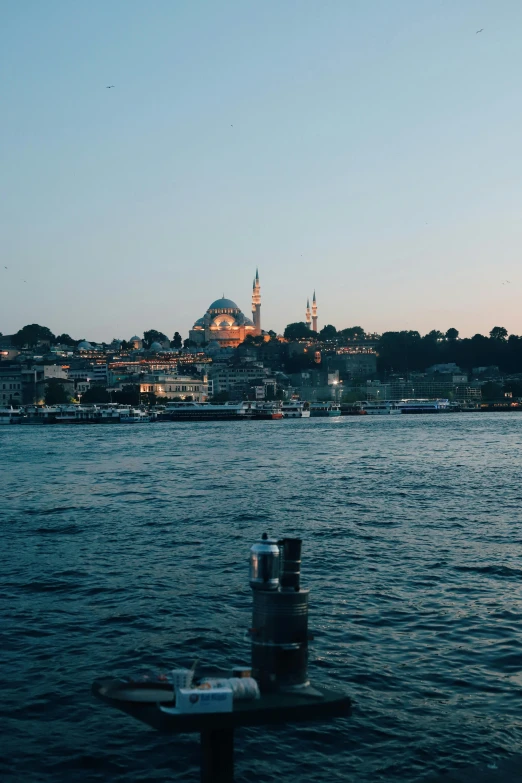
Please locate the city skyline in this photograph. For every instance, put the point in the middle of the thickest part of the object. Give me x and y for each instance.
(367, 152)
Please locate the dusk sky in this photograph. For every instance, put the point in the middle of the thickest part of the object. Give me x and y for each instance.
(368, 149)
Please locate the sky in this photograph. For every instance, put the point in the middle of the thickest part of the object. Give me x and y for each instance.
(367, 149)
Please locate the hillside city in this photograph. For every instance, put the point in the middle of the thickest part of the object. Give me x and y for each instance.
(345, 366)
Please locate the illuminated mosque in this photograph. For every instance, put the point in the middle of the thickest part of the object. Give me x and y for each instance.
(225, 324)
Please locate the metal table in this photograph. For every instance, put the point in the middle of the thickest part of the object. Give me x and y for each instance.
(217, 729)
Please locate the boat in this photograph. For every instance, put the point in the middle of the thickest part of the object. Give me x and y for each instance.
(325, 409)
(380, 407)
(75, 414)
(295, 409)
(424, 406)
(134, 416)
(267, 410)
(206, 411)
(10, 416)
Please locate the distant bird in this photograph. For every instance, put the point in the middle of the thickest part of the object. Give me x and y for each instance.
(109, 86)
(5, 267)
(479, 31)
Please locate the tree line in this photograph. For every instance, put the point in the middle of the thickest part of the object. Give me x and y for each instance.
(33, 335)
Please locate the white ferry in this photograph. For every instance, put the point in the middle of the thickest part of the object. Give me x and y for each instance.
(424, 406)
(380, 407)
(325, 409)
(10, 416)
(74, 414)
(133, 416)
(295, 409)
(206, 411)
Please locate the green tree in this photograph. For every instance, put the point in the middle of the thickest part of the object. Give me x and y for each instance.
(188, 343)
(129, 395)
(65, 339)
(32, 335)
(328, 332)
(153, 336)
(352, 333)
(435, 335)
(498, 333)
(492, 391)
(452, 334)
(55, 393)
(177, 342)
(298, 331)
(222, 396)
(96, 394)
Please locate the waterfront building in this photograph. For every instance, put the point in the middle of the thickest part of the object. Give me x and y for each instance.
(10, 386)
(172, 386)
(224, 325)
(227, 379)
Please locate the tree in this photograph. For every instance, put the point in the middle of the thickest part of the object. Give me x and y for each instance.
(352, 333)
(129, 395)
(492, 391)
(498, 333)
(452, 334)
(328, 332)
(222, 396)
(188, 343)
(96, 394)
(435, 335)
(177, 342)
(153, 336)
(298, 331)
(56, 394)
(32, 335)
(65, 339)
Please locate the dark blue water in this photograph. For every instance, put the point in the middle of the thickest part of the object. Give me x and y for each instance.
(126, 548)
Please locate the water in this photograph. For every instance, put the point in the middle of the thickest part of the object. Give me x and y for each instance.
(125, 548)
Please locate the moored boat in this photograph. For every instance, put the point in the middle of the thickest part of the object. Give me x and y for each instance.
(134, 416)
(424, 406)
(206, 411)
(380, 407)
(325, 409)
(267, 410)
(295, 409)
(10, 415)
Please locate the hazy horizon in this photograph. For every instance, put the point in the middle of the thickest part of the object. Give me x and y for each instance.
(367, 151)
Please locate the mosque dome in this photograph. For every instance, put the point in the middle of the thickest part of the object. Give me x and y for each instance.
(223, 304)
(84, 346)
(156, 347)
(135, 339)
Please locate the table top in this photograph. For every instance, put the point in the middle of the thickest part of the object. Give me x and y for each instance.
(319, 703)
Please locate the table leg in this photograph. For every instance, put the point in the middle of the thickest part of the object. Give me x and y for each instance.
(217, 756)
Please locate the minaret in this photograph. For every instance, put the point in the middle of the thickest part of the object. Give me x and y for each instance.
(314, 314)
(256, 304)
(308, 316)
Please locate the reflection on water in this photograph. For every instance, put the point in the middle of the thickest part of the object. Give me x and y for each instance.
(126, 548)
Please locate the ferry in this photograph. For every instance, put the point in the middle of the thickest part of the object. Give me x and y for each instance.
(134, 416)
(380, 407)
(74, 414)
(295, 409)
(10, 416)
(325, 409)
(268, 410)
(206, 411)
(424, 406)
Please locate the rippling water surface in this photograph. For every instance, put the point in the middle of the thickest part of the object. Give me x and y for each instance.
(125, 548)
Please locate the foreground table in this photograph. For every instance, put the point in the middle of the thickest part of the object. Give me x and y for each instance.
(217, 729)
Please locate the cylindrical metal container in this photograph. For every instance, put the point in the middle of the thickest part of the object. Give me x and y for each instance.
(264, 564)
(291, 563)
(280, 639)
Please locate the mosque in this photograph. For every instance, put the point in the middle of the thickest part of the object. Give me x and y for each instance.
(225, 324)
